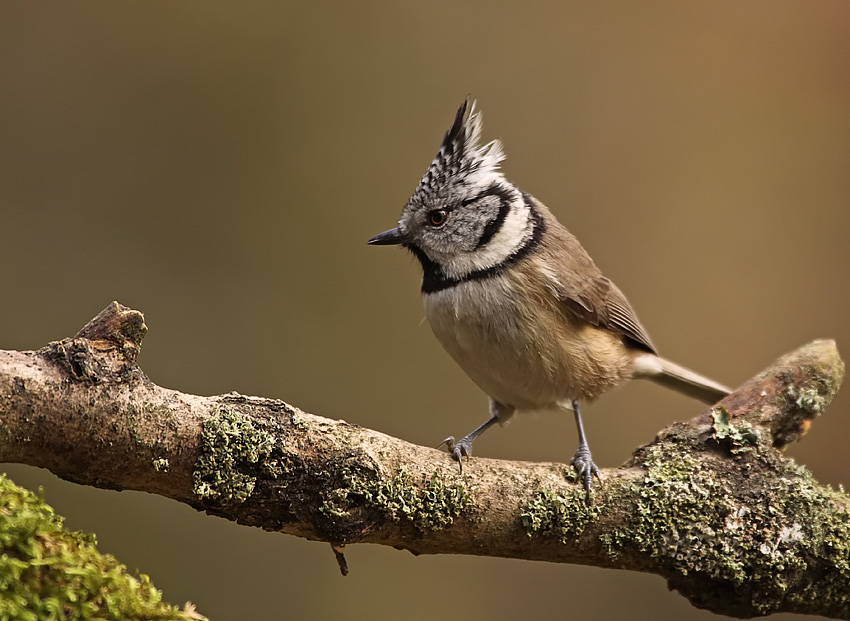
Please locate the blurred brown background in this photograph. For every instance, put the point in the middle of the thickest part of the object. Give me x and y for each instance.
(220, 166)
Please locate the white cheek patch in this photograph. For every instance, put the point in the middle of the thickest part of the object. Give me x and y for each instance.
(515, 231)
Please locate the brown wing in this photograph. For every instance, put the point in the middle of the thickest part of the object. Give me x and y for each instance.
(581, 287)
(599, 302)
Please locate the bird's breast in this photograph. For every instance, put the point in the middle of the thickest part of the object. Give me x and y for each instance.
(487, 329)
(520, 347)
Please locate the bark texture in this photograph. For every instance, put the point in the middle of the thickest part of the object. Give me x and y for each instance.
(711, 504)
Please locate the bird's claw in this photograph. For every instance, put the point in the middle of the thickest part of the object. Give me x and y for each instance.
(585, 469)
(458, 449)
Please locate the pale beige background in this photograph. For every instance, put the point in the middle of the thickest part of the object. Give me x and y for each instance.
(220, 166)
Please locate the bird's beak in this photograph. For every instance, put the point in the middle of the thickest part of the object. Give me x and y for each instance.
(388, 238)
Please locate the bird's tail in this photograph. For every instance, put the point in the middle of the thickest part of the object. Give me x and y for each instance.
(669, 374)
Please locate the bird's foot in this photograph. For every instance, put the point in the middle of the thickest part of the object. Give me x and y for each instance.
(458, 449)
(582, 463)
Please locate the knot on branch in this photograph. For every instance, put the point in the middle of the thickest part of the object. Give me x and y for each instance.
(105, 349)
(116, 326)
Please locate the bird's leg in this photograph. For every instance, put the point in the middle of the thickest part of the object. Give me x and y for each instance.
(463, 447)
(582, 462)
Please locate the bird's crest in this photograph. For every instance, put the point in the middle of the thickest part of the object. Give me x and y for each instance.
(460, 159)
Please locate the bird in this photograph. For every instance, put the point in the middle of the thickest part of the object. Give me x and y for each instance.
(515, 299)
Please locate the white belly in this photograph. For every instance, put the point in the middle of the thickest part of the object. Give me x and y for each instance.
(503, 349)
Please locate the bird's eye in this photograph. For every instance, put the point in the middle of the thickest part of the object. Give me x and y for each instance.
(437, 217)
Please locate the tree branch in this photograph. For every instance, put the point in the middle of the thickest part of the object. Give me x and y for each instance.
(710, 504)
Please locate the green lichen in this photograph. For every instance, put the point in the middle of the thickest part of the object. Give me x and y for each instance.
(431, 504)
(562, 514)
(231, 450)
(810, 399)
(824, 533)
(742, 437)
(299, 423)
(690, 520)
(47, 572)
(681, 512)
(825, 378)
(160, 465)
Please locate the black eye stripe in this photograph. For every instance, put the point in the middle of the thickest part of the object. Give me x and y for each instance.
(494, 225)
(495, 189)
